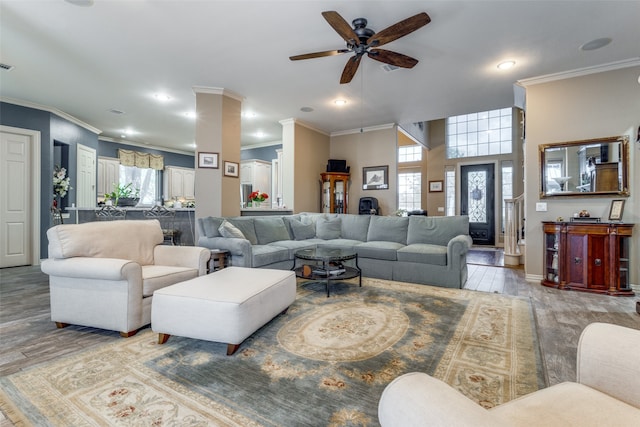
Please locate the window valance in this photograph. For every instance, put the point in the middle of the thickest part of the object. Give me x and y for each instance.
(141, 160)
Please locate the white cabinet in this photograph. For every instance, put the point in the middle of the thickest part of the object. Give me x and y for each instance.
(258, 174)
(179, 183)
(108, 174)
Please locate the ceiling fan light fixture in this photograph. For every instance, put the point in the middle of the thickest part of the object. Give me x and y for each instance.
(505, 65)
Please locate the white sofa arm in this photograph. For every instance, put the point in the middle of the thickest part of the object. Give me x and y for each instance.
(182, 256)
(91, 268)
(608, 361)
(417, 399)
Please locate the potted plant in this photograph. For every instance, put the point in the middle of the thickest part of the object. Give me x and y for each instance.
(257, 198)
(123, 195)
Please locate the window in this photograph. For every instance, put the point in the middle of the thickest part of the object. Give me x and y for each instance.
(409, 153)
(144, 179)
(450, 190)
(409, 191)
(507, 186)
(487, 133)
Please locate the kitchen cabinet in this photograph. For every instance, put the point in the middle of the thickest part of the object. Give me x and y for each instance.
(589, 257)
(108, 174)
(179, 183)
(257, 173)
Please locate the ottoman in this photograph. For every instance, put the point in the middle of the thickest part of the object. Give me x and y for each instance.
(225, 306)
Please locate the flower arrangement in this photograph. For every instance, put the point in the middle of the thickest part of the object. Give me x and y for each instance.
(257, 196)
(61, 182)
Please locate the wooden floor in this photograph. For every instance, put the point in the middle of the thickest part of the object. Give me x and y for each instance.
(28, 337)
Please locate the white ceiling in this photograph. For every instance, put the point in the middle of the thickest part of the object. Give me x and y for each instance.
(86, 61)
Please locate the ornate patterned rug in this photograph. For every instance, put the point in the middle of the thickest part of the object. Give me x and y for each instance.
(323, 363)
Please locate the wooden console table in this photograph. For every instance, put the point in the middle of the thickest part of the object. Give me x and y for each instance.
(589, 257)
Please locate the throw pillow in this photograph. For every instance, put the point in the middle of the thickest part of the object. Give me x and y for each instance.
(302, 231)
(328, 228)
(229, 230)
(270, 230)
(211, 226)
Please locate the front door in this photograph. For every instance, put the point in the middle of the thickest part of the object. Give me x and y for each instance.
(477, 200)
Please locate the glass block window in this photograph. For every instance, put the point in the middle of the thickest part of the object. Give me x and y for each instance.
(409, 191)
(409, 153)
(487, 133)
(450, 191)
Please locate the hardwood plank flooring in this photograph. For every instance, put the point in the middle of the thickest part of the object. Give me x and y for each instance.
(28, 337)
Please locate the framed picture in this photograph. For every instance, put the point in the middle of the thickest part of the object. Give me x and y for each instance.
(208, 160)
(231, 169)
(615, 213)
(435, 186)
(375, 178)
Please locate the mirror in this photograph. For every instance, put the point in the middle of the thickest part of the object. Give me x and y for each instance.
(594, 167)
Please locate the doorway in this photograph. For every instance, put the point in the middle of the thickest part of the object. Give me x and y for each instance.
(477, 200)
(20, 197)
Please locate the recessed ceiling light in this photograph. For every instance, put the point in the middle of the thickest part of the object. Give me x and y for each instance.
(123, 135)
(340, 102)
(260, 134)
(83, 3)
(506, 65)
(129, 131)
(249, 114)
(162, 97)
(596, 44)
(306, 109)
(190, 114)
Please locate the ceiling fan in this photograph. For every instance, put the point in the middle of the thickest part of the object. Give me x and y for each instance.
(361, 40)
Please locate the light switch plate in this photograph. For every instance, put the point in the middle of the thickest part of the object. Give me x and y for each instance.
(440, 209)
(541, 207)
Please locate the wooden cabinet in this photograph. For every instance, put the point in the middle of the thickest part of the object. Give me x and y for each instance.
(590, 257)
(179, 183)
(335, 192)
(108, 174)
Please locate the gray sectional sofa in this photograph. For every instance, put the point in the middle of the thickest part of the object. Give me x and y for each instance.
(417, 249)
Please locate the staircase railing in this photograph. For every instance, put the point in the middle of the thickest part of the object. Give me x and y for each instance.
(513, 229)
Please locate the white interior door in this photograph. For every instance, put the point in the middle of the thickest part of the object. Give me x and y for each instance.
(86, 179)
(19, 194)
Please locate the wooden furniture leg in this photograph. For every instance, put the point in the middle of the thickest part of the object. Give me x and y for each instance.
(162, 338)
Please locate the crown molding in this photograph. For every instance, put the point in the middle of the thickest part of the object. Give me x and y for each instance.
(301, 123)
(218, 91)
(51, 110)
(364, 129)
(260, 145)
(617, 65)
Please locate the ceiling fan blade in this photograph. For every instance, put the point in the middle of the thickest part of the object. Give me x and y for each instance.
(350, 69)
(341, 26)
(318, 54)
(393, 58)
(399, 29)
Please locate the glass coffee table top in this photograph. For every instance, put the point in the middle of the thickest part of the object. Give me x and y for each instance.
(327, 265)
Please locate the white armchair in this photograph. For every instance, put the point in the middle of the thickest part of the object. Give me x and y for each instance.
(606, 393)
(103, 274)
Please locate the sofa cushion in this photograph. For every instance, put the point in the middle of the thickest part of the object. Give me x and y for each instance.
(270, 229)
(211, 225)
(229, 230)
(127, 239)
(388, 229)
(339, 243)
(424, 253)
(268, 254)
(246, 226)
(302, 230)
(355, 227)
(155, 277)
(328, 228)
(436, 230)
(379, 250)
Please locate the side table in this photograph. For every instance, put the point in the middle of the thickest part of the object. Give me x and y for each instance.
(219, 260)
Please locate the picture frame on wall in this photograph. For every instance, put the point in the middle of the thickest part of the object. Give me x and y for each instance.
(208, 160)
(617, 207)
(435, 186)
(231, 169)
(375, 178)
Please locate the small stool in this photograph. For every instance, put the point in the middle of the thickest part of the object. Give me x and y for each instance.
(225, 306)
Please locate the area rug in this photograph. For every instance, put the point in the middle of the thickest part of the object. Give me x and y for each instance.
(323, 363)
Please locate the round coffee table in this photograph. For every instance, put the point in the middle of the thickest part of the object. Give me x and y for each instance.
(323, 267)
